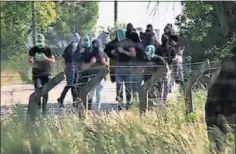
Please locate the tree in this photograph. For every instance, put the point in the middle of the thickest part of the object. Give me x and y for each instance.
(199, 30)
(16, 27)
(73, 17)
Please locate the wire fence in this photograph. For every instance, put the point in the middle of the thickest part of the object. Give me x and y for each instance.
(19, 94)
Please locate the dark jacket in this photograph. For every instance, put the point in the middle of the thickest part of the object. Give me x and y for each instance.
(70, 57)
(133, 36)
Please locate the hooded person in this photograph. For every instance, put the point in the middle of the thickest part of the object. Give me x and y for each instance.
(73, 58)
(124, 53)
(131, 33)
(41, 57)
(103, 37)
(89, 60)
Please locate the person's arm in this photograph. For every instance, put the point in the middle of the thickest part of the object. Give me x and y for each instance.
(92, 61)
(104, 59)
(50, 58)
(64, 53)
(31, 55)
(131, 53)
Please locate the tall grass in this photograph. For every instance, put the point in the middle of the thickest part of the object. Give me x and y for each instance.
(166, 131)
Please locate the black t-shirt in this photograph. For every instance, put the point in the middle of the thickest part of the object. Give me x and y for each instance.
(126, 45)
(96, 53)
(109, 47)
(133, 36)
(167, 55)
(140, 51)
(87, 55)
(40, 67)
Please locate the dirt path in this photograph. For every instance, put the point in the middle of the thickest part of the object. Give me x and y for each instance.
(19, 94)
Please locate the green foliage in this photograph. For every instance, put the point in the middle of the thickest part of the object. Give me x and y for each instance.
(15, 28)
(16, 21)
(160, 131)
(46, 14)
(200, 31)
(73, 18)
(16, 24)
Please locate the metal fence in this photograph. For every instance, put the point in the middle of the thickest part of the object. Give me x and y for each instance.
(12, 94)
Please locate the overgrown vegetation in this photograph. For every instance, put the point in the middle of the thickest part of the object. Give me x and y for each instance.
(161, 132)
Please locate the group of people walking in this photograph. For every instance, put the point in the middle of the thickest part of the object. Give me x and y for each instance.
(128, 49)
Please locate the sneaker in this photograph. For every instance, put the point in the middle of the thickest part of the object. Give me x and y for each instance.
(60, 103)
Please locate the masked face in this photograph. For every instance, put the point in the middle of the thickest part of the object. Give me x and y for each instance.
(40, 41)
(120, 35)
(150, 51)
(75, 38)
(86, 42)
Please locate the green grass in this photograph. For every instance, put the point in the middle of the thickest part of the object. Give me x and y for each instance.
(159, 132)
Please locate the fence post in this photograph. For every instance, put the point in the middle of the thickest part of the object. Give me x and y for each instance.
(188, 86)
(213, 78)
(36, 95)
(204, 80)
(143, 97)
(93, 83)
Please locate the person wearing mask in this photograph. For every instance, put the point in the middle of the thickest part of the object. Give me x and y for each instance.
(73, 58)
(85, 74)
(101, 60)
(173, 48)
(131, 34)
(41, 58)
(109, 48)
(124, 52)
(149, 36)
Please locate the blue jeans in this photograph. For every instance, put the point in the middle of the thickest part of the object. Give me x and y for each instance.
(98, 95)
(120, 78)
(69, 77)
(136, 82)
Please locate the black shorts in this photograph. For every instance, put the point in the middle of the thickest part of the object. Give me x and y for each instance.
(39, 81)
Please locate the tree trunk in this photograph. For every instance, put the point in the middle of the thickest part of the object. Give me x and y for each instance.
(221, 99)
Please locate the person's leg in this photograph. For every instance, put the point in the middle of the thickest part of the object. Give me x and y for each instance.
(45, 80)
(37, 85)
(165, 88)
(98, 96)
(69, 83)
(63, 94)
(136, 85)
(180, 72)
(119, 89)
(127, 80)
(74, 89)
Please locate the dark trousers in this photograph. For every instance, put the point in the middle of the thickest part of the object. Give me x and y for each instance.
(70, 79)
(64, 92)
(39, 81)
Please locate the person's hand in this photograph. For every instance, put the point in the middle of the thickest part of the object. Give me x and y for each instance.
(93, 60)
(31, 60)
(120, 50)
(44, 57)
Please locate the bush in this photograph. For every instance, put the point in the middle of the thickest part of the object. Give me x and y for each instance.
(159, 132)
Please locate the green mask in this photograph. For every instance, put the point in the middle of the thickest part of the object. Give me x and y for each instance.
(40, 41)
